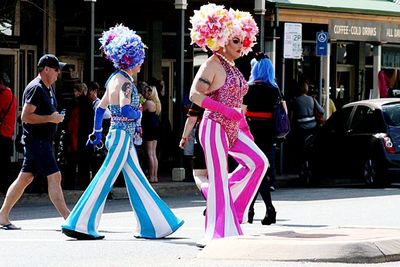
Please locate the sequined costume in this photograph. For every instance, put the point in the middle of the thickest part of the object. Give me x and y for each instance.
(229, 196)
(154, 217)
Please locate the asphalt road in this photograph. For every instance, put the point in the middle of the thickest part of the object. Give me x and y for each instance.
(41, 243)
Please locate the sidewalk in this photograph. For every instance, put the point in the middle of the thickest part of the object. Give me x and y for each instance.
(330, 244)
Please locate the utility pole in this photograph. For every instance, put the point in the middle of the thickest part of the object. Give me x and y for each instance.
(90, 53)
(180, 6)
(259, 11)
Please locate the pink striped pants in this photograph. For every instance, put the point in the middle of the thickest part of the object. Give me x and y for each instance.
(229, 195)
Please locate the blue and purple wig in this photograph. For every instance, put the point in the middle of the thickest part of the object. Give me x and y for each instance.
(123, 47)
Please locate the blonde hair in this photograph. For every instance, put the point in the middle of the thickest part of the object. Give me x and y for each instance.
(154, 97)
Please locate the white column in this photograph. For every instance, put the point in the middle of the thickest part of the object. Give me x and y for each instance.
(325, 75)
(259, 11)
(49, 27)
(376, 68)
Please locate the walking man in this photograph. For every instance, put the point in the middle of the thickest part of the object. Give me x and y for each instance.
(40, 119)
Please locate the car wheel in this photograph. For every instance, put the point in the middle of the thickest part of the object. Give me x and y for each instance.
(372, 173)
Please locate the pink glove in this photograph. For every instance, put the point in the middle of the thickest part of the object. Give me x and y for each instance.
(244, 127)
(216, 106)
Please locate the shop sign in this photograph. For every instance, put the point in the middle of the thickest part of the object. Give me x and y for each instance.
(292, 41)
(9, 41)
(390, 33)
(353, 30)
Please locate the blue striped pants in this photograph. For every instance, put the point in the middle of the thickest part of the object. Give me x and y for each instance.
(154, 218)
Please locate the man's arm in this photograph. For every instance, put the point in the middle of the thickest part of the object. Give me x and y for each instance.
(28, 116)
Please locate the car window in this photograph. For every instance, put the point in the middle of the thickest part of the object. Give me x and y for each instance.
(391, 113)
(338, 121)
(366, 120)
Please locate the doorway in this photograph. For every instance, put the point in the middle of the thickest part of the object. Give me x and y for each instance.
(345, 85)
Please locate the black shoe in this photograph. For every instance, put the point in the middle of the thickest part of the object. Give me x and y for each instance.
(204, 212)
(250, 216)
(80, 236)
(272, 188)
(269, 218)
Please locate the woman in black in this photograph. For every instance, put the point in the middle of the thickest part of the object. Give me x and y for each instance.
(151, 129)
(259, 104)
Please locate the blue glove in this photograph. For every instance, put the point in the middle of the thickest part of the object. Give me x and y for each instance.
(96, 136)
(98, 118)
(130, 112)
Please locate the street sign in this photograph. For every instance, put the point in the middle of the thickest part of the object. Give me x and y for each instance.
(292, 41)
(322, 44)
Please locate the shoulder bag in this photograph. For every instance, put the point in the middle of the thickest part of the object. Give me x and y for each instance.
(280, 117)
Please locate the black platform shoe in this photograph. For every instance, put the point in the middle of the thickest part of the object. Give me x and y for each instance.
(80, 236)
(269, 218)
(250, 216)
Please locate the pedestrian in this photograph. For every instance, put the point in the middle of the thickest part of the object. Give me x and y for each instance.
(188, 147)
(40, 119)
(219, 88)
(8, 110)
(79, 124)
(303, 118)
(151, 129)
(97, 156)
(191, 134)
(93, 95)
(125, 49)
(259, 105)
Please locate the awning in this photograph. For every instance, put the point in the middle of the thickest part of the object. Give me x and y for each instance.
(366, 7)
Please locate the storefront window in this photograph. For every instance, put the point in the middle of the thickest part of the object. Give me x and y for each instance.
(390, 57)
(7, 18)
(345, 53)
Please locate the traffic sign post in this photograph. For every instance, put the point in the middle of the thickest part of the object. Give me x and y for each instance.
(322, 51)
(322, 44)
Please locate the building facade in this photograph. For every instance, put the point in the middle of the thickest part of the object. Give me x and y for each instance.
(363, 38)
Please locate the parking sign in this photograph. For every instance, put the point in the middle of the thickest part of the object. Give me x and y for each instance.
(322, 44)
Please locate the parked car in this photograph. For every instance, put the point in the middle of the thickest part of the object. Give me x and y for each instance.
(361, 140)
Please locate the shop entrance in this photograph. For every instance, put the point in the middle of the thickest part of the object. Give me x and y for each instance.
(345, 85)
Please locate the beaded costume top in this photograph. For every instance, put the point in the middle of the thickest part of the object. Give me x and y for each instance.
(230, 94)
(118, 121)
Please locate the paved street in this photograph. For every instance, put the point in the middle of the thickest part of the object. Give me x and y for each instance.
(40, 243)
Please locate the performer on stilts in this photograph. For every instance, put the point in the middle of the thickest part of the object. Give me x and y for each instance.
(124, 48)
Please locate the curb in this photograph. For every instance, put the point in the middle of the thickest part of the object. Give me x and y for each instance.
(163, 189)
(337, 244)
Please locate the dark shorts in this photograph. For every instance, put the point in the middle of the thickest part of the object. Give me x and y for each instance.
(39, 158)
